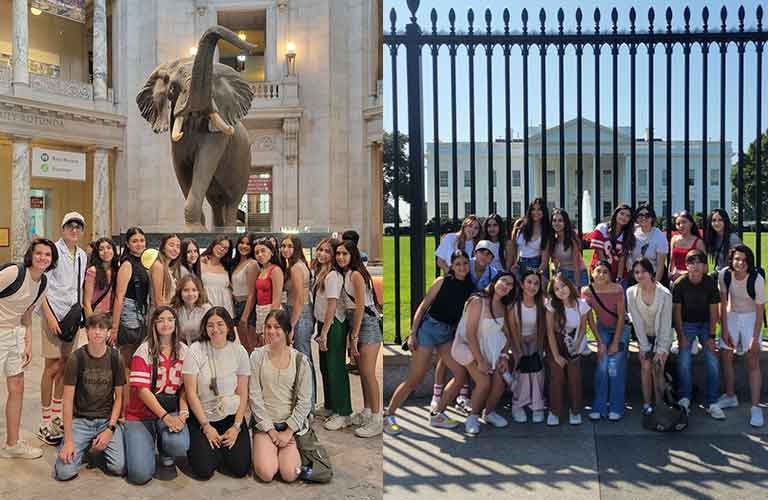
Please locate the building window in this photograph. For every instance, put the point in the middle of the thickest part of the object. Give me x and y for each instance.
(467, 208)
(551, 179)
(443, 178)
(516, 178)
(713, 204)
(443, 209)
(642, 178)
(251, 26)
(467, 179)
(607, 208)
(516, 209)
(714, 177)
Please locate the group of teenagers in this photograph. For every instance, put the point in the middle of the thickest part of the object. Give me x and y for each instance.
(497, 319)
(177, 352)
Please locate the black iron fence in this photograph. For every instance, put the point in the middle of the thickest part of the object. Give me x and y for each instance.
(641, 41)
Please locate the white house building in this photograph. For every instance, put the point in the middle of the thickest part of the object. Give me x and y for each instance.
(555, 184)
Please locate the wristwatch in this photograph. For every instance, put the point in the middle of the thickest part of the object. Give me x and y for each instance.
(237, 426)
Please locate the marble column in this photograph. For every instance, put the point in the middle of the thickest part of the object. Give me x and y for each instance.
(20, 187)
(377, 203)
(101, 211)
(20, 57)
(99, 49)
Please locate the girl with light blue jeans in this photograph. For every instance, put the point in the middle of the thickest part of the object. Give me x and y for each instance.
(530, 240)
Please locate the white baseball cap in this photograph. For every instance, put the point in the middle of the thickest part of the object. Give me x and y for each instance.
(485, 245)
(73, 217)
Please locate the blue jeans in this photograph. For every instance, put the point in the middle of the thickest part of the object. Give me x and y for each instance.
(571, 275)
(609, 389)
(302, 340)
(140, 439)
(684, 375)
(84, 430)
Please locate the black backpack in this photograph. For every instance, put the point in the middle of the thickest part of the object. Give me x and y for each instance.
(16, 285)
(751, 278)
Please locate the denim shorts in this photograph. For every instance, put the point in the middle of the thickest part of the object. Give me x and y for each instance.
(525, 263)
(571, 275)
(239, 307)
(370, 333)
(433, 332)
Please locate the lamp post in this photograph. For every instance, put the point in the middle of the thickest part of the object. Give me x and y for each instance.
(290, 58)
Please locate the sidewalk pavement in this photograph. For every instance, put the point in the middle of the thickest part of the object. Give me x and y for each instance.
(357, 464)
(607, 460)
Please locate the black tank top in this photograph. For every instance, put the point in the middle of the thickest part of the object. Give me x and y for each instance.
(449, 303)
(138, 286)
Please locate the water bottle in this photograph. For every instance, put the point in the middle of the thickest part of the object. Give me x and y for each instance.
(304, 472)
(612, 368)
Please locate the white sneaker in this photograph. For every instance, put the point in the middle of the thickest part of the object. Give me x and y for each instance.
(727, 401)
(538, 416)
(685, 403)
(553, 420)
(391, 426)
(20, 450)
(495, 420)
(595, 415)
(373, 427)
(57, 424)
(434, 403)
(464, 404)
(756, 417)
(337, 422)
(519, 415)
(716, 412)
(442, 421)
(361, 417)
(574, 419)
(472, 425)
(614, 417)
(323, 412)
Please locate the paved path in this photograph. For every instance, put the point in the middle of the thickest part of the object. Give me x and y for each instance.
(710, 460)
(357, 464)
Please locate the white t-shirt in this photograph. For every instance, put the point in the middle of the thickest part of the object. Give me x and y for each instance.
(573, 314)
(449, 244)
(656, 244)
(332, 290)
(13, 307)
(528, 320)
(738, 297)
(528, 249)
(228, 362)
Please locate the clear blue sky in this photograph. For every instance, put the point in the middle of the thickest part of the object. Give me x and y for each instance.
(569, 6)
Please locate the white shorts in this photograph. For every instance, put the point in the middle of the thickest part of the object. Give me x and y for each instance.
(11, 351)
(741, 329)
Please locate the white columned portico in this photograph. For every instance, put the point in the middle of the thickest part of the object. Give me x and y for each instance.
(101, 211)
(99, 49)
(20, 187)
(20, 44)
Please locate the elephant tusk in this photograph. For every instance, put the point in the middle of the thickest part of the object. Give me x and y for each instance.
(220, 124)
(177, 133)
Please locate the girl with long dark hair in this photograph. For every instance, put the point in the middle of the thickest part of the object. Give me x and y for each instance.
(565, 249)
(244, 269)
(531, 240)
(189, 259)
(495, 232)
(265, 295)
(164, 272)
(214, 272)
(687, 238)
(465, 239)
(614, 241)
(98, 288)
(719, 238)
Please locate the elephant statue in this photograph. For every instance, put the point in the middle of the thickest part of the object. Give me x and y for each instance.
(203, 102)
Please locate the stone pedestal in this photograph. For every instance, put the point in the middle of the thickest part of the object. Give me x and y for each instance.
(20, 187)
(20, 44)
(99, 49)
(101, 211)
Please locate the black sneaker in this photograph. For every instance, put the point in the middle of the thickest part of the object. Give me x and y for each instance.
(47, 436)
(166, 472)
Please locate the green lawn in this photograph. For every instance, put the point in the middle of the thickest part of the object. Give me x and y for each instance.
(405, 278)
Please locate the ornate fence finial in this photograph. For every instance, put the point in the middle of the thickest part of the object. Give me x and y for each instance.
(687, 18)
(471, 20)
(413, 6)
(614, 20)
(669, 19)
(543, 20)
(579, 17)
(392, 20)
(759, 18)
(488, 19)
(597, 20)
(433, 18)
(560, 20)
(452, 21)
(651, 17)
(524, 18)
(705, 18)
(741, 18)
(505, 17)
(632, 19)
(723, 17)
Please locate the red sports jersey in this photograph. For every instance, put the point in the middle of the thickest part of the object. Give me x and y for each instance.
(169, 379)
(611, 246)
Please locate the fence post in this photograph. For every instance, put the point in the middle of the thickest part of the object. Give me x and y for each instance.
(416, 155)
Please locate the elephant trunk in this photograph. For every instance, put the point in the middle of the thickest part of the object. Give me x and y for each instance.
(202, 69)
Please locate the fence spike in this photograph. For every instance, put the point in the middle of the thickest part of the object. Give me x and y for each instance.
(413, 6)
(433, 18)
(687, 18)
(560, 19)
(505, 16)
(651, 17)
(542, 20)
(597, 20)
(452, 20)
(615, 19)
(524, 18)
(392, 19)
(759, 18)
(578, 20)
(669, 19)
(705, 18)
(723, 17)
(488, 19)
(471, 20)
(742, 14)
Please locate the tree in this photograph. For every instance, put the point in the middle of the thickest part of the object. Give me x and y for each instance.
(389, 167)
(750, 186)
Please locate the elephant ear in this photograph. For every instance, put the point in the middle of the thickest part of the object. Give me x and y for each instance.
(232, 94)
(154, 108)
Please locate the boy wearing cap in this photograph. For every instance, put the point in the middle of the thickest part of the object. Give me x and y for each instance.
(480, 269)
(696, 300)
(64, 290)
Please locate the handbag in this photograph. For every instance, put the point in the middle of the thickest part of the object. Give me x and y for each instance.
(134, 336)
(375, 311)
(169, 402)
(74, 319)
(530, 363)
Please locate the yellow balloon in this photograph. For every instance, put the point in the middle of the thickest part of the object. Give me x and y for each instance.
(149, 256)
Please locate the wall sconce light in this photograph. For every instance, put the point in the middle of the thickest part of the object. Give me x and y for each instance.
(193, 51)
(241, 35)
(241, 58)
(35, 11)
(290, 58)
